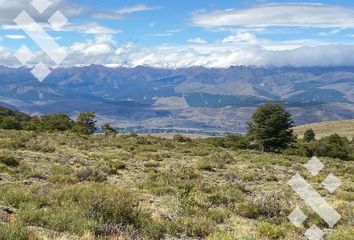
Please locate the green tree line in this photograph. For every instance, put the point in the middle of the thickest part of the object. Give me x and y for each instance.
(270, 129)
(85, 123)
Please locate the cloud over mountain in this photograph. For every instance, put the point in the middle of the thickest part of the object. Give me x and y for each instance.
(279, 15)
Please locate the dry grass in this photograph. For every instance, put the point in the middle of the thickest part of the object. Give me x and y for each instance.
(344, 128)
(70, 187)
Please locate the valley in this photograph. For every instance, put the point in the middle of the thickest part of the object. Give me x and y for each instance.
(207, 99)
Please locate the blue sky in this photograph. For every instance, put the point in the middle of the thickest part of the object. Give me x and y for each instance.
(212, 33)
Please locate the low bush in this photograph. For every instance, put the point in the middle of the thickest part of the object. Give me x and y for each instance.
(91, 175)
(206, 165)
(332, 146)
(342, 234)
(105, 204)
(270, 231)
(181, 138)
(9, 160)
(14, 232)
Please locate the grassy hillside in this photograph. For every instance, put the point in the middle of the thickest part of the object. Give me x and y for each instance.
(62, 186)
(344, 128)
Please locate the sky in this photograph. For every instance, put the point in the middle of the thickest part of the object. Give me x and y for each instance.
(177, 34)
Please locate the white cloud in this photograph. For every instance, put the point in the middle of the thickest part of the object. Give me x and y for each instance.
(167, 34)
(85, 28)
(121, 13)
(15, 37)
(90, 28)
(97, 49)
(105, 51)
(136, 8)
(212, 55)
(9, 10)
(241, 37)
(279, 15)
(197, 41)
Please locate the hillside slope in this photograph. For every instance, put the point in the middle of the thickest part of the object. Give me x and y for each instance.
(128, 187)
(344, 128)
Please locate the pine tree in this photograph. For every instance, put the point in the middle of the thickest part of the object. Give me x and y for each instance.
(271, 127)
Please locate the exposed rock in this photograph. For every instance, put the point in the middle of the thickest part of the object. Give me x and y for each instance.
(6, 213)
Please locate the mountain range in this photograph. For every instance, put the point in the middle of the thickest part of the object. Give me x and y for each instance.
(189, 98)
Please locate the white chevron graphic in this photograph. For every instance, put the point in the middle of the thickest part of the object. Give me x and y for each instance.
(46, 42)
(314, 200)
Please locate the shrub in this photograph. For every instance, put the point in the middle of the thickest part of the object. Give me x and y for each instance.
(13, 232)
(9, 160)
(248, 210)
(309, 135)
(342, 234)
(206, 165)
(108, 129)
(85, 123)
(61, 174)
(194, 227)
(181, 138)
(9, 123)
(114, 166)
(61, 219)
(333, 146)
(226, 196)
(56, 122)
(151, 164)
(91, 174)
(106, 204)
(231, 141)
(269, 231)
(14, 196)
(298, 149)
(39, 146)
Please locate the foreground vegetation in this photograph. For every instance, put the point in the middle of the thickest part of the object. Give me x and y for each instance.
(70, 186)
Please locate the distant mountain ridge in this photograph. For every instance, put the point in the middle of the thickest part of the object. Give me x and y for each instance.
(198, 97)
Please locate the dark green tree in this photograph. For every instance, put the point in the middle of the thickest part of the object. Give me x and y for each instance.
(271, 127)
(35, 124)
(4, 112)
(309, 135)
(10, 122)
(56, 122)
(85, 123)
(108, 129)
(333, 146)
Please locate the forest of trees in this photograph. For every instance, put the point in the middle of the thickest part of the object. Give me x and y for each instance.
(15, 120)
